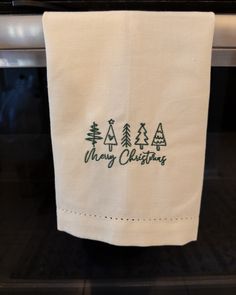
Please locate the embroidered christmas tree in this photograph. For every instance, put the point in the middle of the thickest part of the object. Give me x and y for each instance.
(94, 134)
(110, 138)
(159, 138)
(125, 140)
(141, 138)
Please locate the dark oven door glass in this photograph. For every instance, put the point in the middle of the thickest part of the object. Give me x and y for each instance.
(34, 254)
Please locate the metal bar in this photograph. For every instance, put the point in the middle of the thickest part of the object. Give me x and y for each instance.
(25, 31)
(23, 58)
(22, 42)
(199, 281)
(223, 57)
(21, 32)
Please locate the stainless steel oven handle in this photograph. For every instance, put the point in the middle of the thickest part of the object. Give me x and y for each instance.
(22, 42)
(21, 32)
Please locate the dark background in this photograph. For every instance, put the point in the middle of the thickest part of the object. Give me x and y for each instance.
(31, 248)
(27, 6)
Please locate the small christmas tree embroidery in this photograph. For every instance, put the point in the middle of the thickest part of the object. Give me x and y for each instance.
(141, 138)
(94, 134)
(125, 140)
(159, 138)
(110, 138)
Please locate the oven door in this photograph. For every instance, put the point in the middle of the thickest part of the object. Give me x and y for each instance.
(35, 258)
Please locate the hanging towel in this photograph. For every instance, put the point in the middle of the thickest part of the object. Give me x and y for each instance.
(128, 99)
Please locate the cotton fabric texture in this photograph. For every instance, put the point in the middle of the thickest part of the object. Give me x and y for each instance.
(128, 98)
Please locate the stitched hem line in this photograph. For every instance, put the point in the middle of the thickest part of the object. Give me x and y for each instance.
(106, 217)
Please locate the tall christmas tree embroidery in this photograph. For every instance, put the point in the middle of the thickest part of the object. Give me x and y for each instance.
(141, 138)
(159, 138)
(110, 138)
(94, 134)
(125, 140)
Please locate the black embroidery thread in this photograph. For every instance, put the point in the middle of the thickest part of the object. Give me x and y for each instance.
(128, 155)
(125, 140)
(110, 138)
(94, 134)
(159, 138)
(141, 138)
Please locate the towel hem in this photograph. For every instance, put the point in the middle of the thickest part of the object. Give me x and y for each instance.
(135, 233)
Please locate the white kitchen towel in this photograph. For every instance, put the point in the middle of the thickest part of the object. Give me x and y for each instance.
(128, 97)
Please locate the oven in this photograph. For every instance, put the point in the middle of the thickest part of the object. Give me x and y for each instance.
(35, 258)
